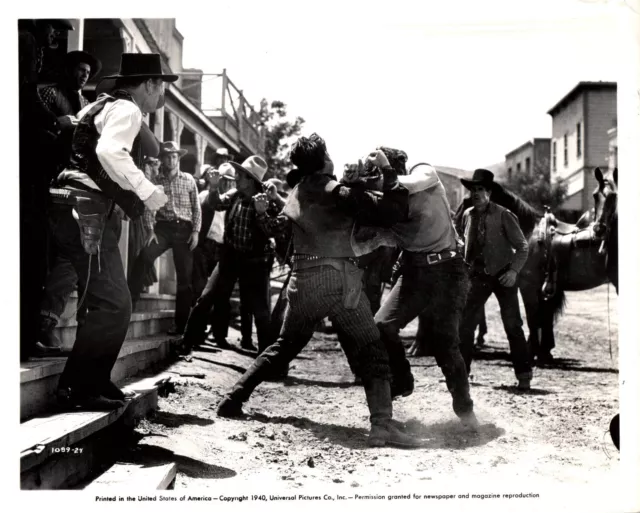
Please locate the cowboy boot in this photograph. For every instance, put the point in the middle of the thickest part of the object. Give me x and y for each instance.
(48, 343)
(383, 431)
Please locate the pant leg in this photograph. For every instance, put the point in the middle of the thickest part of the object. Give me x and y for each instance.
(448, 284)
(254, 282)
(145, 260)
(481, 287)
(407, 299)
(512, 321)
(100, 337)
(310, 298)
(361, 341)
(199, 274)
(183, 261)
(216, 295)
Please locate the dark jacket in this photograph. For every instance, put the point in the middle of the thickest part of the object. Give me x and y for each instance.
(324, 212)
(505, 244)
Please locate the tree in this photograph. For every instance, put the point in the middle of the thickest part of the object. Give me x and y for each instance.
(536, 188)
(280, 131)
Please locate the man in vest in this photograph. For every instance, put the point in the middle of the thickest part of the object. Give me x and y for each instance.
(496, 249)
(102, 172)
(326, 280)
(434, 278)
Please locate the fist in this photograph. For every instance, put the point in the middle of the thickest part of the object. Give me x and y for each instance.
(508, 279)
(261, 203)
(378, 158)
(157, 199)
(272, 191)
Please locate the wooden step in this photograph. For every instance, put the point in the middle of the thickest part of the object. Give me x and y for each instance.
(39, 377)
(142, 324)
(60, 450)
(138, 478)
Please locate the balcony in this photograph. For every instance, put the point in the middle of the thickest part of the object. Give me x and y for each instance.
(227, 108)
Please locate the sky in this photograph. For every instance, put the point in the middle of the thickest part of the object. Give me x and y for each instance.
(456, 83)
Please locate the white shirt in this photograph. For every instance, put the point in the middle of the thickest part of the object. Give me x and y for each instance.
(216, 230)
(118, 124)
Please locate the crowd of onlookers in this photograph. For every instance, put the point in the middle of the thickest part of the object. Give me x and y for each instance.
(51, 97)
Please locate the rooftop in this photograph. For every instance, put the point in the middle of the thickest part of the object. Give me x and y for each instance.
(530, 142)
(581, 87)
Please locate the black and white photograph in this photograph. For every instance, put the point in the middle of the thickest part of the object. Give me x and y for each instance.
(324, 254)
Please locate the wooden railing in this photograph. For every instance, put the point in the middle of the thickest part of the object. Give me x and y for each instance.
(235, 115)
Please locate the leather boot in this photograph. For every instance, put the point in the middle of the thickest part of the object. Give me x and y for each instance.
(383, 432)
(47, 337)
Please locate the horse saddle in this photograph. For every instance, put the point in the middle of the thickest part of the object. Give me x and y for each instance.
(558, 239)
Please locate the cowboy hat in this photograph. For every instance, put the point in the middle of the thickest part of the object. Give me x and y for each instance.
(57, 24)
(222, 152)
(226, 170)
(135, 65)
(171, 147)
(255, 166)
(78, 56)
(482, 177)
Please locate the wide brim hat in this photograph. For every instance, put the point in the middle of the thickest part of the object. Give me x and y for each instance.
(226, 170)
(255, 166)
(482, 177)
(222, 152)
(77, 56)
(171, 147)
(136, 65)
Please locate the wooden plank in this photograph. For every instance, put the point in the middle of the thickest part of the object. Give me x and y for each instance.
(41, 437)
(43, 367)
(134, 476)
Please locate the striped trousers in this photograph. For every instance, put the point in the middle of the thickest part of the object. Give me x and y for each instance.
(314, 294)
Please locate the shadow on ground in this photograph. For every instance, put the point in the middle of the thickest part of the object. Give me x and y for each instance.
(151, 456)
(173, 420)
(231, 366)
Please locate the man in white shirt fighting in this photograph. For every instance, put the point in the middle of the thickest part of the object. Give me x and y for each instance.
(102, 173)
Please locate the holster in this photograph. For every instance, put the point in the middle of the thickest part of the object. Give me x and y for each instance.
(91, 217)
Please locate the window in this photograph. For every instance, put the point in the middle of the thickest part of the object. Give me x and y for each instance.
(554, 156)
(527, 165)
(518, 167)
(578, 140)
(510, 174)
(566, 150)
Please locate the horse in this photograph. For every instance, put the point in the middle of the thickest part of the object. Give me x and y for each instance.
(582, 266)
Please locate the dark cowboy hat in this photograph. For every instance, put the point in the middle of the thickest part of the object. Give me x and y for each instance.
(480, 177)
(136, 65)
(171, 147)
(78, 56)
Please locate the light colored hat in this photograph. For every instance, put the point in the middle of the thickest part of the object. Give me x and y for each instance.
(254, 165)
(223, 152)
(171, 147)
(226, 170)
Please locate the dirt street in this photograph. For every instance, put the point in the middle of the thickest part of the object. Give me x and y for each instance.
(311, 430)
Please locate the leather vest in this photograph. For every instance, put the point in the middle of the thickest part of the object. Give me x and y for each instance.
(84, 158)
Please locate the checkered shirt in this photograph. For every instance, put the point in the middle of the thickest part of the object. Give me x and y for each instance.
(183, 203)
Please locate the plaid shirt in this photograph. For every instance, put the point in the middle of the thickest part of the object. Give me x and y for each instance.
(242, 218)
(183, 202)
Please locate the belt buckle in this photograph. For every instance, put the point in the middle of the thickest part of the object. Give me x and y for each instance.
(436, 258)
